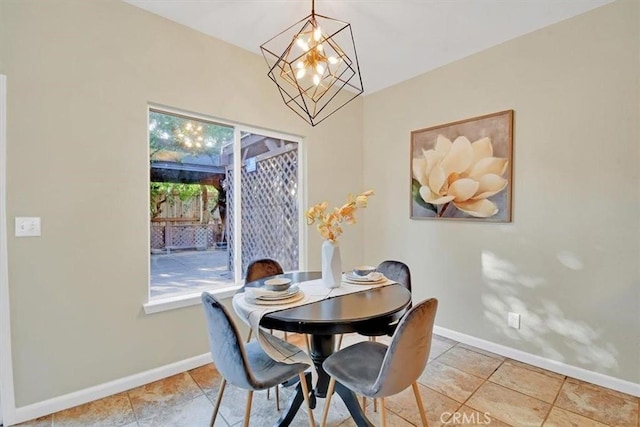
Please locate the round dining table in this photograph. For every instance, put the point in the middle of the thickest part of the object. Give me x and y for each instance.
(369, 309)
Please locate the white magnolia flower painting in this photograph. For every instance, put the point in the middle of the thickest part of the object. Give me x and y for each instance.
(462, 170)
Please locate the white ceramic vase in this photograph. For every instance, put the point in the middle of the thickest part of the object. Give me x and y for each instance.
(331, 264)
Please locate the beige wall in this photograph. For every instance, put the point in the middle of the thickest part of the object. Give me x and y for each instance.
(569, 261)
(80, 75)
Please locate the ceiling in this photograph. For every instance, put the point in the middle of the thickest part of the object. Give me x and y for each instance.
(395, 39)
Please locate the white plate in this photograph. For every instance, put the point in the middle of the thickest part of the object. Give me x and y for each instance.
(362, 282)
(293, 298)
(278, 297)
(373, 277)
(265, 294)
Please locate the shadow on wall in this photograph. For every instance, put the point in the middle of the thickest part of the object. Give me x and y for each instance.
(512, 291)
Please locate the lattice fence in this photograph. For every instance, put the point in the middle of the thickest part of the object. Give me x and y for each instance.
(165, 235)
(269, 211)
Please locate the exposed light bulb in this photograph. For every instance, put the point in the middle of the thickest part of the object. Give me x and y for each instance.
(333, 60)
(316, 80)
(320, 47)
(302, 44)
(317, 34)
(300, 64)
(320, 69)
(300, 74)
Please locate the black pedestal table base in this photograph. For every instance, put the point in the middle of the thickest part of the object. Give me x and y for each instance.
(322, 347)
(295, 401)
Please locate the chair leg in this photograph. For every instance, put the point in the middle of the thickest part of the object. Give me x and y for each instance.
(305, 394)
(416, 392)
(364, 404)
(216, 407)
(286, 337)
(339, 342)
(383, 413)
(247, 411)
(268, 390)
(327, 401)
(249, 336)
(306, 341)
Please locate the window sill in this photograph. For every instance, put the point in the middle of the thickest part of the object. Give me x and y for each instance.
(185, 300)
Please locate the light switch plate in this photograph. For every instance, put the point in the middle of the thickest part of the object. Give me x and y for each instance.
(513, 320)
(27, 226)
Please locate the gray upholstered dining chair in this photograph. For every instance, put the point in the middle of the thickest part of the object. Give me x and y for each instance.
(398, 272)
(245, 366)
(386, 370)
(259, 269)
(263, 267)
(256, 270)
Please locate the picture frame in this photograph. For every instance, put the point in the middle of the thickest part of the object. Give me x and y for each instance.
(463, 170)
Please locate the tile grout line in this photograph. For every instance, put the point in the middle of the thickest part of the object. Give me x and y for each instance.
(484, 381)
(425, 385)
(538, 370)
(605, 390)
(135, 416)
(553, 404)
(207, 397)
(476, 352)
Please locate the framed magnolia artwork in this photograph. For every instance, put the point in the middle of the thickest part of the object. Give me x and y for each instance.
(462, 170)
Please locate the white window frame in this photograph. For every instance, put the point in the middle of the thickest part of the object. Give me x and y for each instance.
(193, 298)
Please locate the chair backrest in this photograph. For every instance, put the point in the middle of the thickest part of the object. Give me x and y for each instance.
(396, 271)
(225, 344)
(262, 268)
(409, 350)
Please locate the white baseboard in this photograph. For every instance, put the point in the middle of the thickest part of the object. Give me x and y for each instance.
(613, 383)
(76, 398)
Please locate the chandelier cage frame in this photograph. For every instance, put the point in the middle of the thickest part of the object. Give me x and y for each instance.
(317, 72)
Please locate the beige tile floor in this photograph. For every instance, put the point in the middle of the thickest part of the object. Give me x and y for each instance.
(461, 386)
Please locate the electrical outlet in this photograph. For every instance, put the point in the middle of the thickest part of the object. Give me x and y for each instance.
(513, 320)
(27, 226)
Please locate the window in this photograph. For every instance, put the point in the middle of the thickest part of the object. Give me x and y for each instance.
(220, 196)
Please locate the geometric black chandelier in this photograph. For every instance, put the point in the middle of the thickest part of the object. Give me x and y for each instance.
(315, 66)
